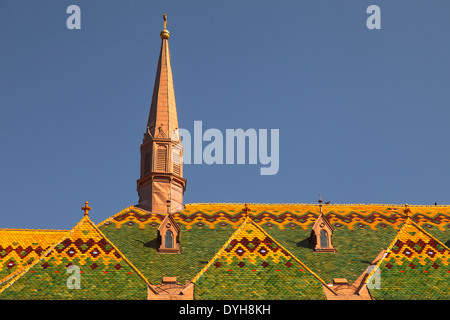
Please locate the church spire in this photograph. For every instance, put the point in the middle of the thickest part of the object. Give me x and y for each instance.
(163, 118)
(161, 182)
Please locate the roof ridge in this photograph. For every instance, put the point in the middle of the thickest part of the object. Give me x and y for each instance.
(248, 220)
(428, 234)
(293, 256)
(119, 252)
(33, 230)
(218, 253)
(85, 219)
(26, 269)
(315, 204)
(12, 275)
(388, 249)
(408, 222)
(139, 210)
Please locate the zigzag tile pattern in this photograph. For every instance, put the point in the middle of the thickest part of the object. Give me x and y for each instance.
(251, 244)
(415, 266)
(413, 244)
(285, 216)
(252, 265)
(19, 247)
(104, 272)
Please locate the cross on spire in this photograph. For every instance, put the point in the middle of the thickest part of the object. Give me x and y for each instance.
(86, 209)
(165, 21)
(165, 34)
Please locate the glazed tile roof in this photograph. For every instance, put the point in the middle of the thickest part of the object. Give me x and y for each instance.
(415, 266)
(360, 233)
(352, 216)
(252, 265)
(105, 272)
(20, 247)
(134, 232)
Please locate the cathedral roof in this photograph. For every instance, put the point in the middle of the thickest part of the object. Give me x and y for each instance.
(252, 265)
(361, 232)
(105, 273)
(416, 265)
(20, 247)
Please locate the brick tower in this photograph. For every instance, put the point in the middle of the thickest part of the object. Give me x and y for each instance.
(161, 185)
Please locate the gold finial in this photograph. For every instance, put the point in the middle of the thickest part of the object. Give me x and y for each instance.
(165, 34)
(86, 209)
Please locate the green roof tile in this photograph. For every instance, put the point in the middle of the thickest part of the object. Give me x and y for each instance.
(252, 265)
(415, 266)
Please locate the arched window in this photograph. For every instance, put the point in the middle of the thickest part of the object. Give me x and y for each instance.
(168, 239)
(323, 238)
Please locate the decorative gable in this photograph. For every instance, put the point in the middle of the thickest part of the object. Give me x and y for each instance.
(99, 269)
(20, 247)
(170, 289)
(321, 235)
(252, 265)
(169, 236)
(415, 266)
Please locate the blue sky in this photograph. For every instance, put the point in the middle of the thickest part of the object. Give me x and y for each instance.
(363, 114)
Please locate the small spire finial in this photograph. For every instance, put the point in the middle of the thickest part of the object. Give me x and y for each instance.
(407, 210)
(168, 206)
(320, 203)
(86, 208)
(165, 34)
(246, 210)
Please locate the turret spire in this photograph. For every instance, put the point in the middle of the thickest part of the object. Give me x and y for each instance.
(163, 119)
(161, 184)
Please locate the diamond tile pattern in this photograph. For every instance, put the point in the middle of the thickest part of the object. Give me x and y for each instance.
(416, 266)
(252, 265)
(361, 232)
(84, 246)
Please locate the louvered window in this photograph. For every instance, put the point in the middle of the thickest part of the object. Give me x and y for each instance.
(161, 159)
(177, 160)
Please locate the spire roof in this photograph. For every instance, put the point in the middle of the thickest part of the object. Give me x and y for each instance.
(163, 118)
